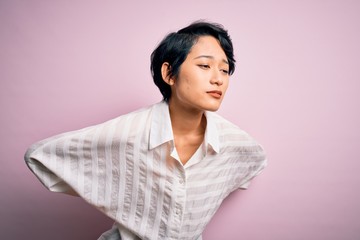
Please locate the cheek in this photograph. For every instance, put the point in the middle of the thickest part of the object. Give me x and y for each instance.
(185, 82)
(226, 84)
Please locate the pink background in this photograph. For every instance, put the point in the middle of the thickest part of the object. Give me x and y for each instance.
(69, 64)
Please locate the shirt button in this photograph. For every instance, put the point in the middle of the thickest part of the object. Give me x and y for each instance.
(178, 211)
(181, 181)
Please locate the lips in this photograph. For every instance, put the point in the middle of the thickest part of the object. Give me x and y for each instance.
(215, 93)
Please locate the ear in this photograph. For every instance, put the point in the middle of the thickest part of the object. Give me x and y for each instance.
(165, 73)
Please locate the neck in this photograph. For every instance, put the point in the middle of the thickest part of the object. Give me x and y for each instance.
(186, 121)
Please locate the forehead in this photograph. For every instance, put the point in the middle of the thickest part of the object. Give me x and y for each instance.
(207, 45)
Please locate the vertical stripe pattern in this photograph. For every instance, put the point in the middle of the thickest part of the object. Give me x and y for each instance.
(124, 167)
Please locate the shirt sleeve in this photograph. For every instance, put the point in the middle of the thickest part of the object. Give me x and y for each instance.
(257, 161)
(48, 178)
(245, 184)
(51, 162)
(66, 162)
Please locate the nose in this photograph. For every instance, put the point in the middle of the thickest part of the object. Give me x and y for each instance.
(217, 77)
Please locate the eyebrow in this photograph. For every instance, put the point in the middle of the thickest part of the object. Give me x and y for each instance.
(211, 57)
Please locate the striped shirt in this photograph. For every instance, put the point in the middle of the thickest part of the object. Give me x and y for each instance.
(129, 169)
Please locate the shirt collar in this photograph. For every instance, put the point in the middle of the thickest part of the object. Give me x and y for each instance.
(161, 130)
(211, 133)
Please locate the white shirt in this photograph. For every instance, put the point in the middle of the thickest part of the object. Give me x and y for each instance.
(129, 169)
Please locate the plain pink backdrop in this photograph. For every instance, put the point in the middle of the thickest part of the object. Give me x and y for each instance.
(65, 65)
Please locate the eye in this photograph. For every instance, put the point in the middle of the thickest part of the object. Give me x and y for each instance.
(225, 71)
(204, 66)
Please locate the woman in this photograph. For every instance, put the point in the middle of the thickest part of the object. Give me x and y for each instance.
(163, 171)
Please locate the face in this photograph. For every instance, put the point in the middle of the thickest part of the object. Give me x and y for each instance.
(203, 77)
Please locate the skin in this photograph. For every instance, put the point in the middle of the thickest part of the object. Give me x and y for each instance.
(200, 86)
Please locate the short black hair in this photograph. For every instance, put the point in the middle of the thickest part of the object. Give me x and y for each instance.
(175, 47)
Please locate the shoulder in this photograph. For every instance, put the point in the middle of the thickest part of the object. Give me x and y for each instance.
(232, 136)
(132, 118)
(225, 127)
(131, 122)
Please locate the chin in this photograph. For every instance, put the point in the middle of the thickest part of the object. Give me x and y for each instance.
(212, 107)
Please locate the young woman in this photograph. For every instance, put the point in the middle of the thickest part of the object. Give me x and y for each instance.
(163, 171)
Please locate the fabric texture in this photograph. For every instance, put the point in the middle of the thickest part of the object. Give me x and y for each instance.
(112, 234)
(129, 169)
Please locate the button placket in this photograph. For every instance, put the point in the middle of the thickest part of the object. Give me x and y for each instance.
(180, 199)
